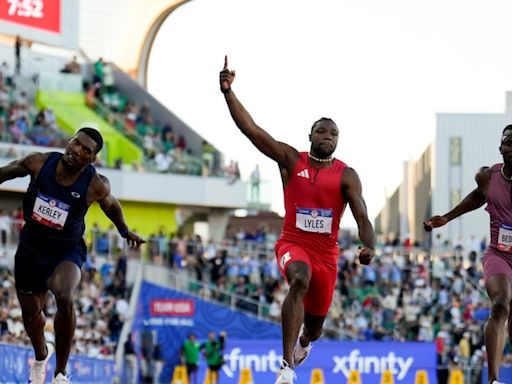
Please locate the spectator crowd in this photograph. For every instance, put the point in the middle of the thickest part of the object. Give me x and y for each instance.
(165, 150)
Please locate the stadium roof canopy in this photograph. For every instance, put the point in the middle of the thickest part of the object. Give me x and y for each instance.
(123, 31)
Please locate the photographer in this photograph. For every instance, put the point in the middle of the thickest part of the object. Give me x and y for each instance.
(213, 350)
(190, 357)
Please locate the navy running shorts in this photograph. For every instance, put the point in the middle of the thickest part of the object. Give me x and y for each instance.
(32, 268)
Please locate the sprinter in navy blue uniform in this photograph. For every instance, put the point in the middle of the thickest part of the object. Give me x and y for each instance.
(51, 249)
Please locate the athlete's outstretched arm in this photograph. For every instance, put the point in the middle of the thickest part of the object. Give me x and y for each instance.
(474, 200)
(21, 167)
(112, 208)
(280, 152)
(353, 194)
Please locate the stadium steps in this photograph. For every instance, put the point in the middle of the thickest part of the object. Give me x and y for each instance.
(161, 114)
(72, 113)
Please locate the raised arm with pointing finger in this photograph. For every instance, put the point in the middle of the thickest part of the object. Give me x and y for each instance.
(282, 153)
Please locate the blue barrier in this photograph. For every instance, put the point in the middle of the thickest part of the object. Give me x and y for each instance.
(173, 315)
(336, 359)
(15, 362)
(505, 374)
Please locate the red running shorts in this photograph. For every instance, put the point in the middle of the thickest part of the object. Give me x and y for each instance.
(324, 271)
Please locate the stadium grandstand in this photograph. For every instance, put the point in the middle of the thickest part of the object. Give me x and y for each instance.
(416, 308)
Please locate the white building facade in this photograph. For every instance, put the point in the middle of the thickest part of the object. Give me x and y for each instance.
(445, 173)
(463, 144)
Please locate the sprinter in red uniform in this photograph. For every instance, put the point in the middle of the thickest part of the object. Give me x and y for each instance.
(317, 188)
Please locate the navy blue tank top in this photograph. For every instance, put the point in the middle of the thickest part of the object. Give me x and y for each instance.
(54, 213)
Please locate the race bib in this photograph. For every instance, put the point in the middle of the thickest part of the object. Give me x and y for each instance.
(317, 220)
(50, 212)
(505, 238)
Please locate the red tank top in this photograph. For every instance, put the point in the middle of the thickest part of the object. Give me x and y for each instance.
(314, 204)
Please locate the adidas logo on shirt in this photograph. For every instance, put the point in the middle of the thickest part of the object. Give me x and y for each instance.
(304, 173)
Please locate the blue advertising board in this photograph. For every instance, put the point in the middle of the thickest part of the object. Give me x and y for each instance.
(15, 362)
(336, 359)
(505, 374)
(173, 315)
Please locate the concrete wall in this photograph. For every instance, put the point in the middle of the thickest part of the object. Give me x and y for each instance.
(155, 187)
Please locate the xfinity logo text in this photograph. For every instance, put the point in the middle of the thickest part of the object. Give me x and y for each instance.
(235, 361)
(399, 366)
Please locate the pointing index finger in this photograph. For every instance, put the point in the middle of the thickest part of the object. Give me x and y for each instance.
(225, 62)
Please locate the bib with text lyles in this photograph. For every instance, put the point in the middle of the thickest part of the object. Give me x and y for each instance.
(50, 212)
(505, 238)
(317, 220)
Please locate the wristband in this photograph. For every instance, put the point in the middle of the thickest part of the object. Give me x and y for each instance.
(225, 91)
(124, 233)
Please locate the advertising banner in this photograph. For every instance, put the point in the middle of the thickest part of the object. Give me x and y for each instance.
(172, 315)
(335, 358)
(15, 363)
(505, 374)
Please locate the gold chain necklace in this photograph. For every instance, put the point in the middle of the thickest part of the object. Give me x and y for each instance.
(503, 174)
(321, 160)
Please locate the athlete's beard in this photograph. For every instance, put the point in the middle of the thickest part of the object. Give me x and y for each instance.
(320, 153)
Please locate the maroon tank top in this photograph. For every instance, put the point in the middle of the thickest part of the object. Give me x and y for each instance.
(499, 206)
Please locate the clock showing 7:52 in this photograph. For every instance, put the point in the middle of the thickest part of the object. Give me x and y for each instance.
(26, 8)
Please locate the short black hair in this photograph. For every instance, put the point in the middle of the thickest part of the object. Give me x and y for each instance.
(320, 120)
(95, 135)
(508, 127)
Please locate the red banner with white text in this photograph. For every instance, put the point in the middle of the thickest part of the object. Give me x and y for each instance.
(41, 14)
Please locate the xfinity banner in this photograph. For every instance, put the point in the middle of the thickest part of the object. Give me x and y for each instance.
(15, 362)
(336, 359)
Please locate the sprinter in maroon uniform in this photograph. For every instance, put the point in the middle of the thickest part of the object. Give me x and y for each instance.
(494, 187)
(317, 188)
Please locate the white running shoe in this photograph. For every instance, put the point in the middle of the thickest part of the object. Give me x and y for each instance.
(300, 353)
(61, 379)
(286, 376)
(38, 369)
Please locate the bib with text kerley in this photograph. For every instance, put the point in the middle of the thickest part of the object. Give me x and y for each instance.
(505, 238)
(317, 220)
(50, 212)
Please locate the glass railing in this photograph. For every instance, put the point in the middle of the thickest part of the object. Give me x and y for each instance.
(181, 163)
(115, 121)
(208, 291)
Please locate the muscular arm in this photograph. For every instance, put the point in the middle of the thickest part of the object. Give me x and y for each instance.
(282, 153)
(108, 203)
(352, 192)
(474, 200)
(29, 165)
(100, 192)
